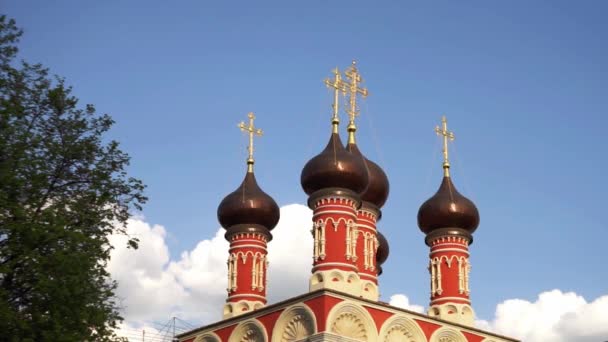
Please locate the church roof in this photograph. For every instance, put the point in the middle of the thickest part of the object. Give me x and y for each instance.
(381, 309)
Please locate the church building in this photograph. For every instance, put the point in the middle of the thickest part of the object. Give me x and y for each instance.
(346, 192)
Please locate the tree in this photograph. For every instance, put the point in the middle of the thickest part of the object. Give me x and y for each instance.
(63, 191)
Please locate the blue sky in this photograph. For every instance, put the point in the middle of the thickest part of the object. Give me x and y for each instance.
(524, 86)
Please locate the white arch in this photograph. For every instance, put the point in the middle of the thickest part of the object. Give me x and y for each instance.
(446, 334)
(448, 260)
(244, 255)
(369, 289)
(207, 337)
(316, 278)
(352, 320)
(228, 309)
(295, 323)
(337, 275)
(402, 329)
(249, 331)
(335, 222)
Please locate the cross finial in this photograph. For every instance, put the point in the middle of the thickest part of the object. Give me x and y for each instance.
(338, 85)
(353, 90)
(251, 130)
(446, 135)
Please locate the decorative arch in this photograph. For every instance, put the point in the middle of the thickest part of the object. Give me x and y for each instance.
(353, 278)
(369, 290)
(447, 335)
(450, 309)
(448, 260)
(401, 329)
(243, 255)
(336, 275)
(317, 278)
(207, 337)
(242, 306)
(249, 331)
(295, 323)
(228, 309)
(335, 223)
(353, 321)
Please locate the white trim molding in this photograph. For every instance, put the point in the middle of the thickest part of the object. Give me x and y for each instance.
(335, 279)
(232, 309)
(453, 312)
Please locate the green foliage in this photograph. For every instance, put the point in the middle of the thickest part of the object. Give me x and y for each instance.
(63, 191)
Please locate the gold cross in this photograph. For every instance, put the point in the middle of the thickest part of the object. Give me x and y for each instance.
(447, 135)
(353, 89)
(252, 131)
(338, 86)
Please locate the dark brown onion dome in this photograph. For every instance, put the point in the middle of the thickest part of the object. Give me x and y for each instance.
(334, 167)
(382, 252)
(378, 186)
(248, 204)
(448, 209)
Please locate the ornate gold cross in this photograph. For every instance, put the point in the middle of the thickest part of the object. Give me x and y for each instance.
(338, 85)
(252, 130)
(353, 89)
(446, 135)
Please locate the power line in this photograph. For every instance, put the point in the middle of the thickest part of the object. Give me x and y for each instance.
(161, 332)
(191, 326)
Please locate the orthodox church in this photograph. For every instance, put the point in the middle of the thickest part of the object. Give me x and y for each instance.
(346, 192)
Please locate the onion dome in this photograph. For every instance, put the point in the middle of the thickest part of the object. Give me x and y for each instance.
(334, 167)
(382, 252)
(448, 209)
(378, 186)
(248, 204)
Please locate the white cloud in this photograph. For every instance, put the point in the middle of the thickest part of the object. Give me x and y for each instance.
(290, 253)
(144, 282)
(554, 316)
(141, 332)
(401, 301)
(153, 287)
